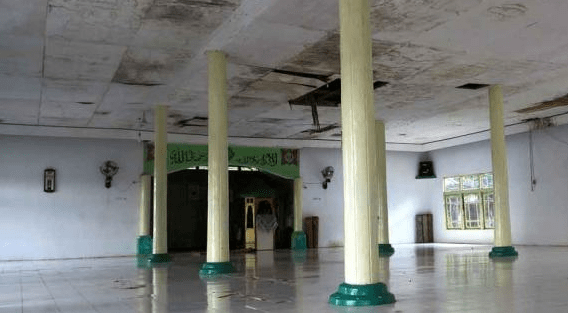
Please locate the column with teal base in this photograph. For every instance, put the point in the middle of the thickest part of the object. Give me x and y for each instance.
(218, 170)
(144, 242)
(298, 236)
(362, 286)
(160, 242)
(503, 247)
(385, 248)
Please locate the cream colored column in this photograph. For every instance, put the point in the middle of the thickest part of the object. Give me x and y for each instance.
(359, 144)
(298, 204)
(160, 242)
(145, 189)
(382, 165)
(499, 161)
(218, 194)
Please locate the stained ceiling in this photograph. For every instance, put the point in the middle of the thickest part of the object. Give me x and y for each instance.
(104, 64)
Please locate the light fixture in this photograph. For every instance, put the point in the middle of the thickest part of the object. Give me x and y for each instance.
(109, 169)
(327, 174)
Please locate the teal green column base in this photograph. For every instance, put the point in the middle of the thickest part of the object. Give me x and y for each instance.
(144, 245)
(385, 249)
(216, 268)
(503, 252)
(159, 258)
(299, 240)
(362, 295)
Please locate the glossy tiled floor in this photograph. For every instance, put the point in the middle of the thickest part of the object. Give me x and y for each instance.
(424, 278)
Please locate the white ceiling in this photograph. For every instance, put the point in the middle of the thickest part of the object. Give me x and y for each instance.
(104, 64)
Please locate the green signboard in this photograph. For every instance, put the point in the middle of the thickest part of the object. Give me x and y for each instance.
(277, 161)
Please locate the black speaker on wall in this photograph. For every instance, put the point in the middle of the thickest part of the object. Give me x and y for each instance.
(426, 170)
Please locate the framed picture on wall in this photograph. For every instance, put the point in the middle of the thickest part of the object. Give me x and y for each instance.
(49, 180)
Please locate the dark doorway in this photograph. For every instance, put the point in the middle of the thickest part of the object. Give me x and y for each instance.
(187, 208)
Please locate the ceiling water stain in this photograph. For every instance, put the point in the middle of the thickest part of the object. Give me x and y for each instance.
(191, 14)
(144, 68)
(507, 11)
(311, 60)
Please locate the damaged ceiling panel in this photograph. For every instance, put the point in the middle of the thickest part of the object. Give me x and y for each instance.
(556, 103)
(108, 63)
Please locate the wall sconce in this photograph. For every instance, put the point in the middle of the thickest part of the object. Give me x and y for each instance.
(109, 169)
(327, 174)
(49, 180)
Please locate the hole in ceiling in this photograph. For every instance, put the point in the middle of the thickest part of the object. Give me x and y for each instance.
(197, 121)
(85, 102)
(323, 78)
(327, 95)
(558, 102)
(402, 134)
(102, 112)
(472, 86)
(379, 84)
(321, 129)
(138, 84)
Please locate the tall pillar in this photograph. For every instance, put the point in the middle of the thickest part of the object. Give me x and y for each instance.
(298, 237)
(160, 242)
(144, 237)
(385, 248)
(218, 173)
(503, 246)
(361, 286)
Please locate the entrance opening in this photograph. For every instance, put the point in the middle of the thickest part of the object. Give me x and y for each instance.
(187, 207)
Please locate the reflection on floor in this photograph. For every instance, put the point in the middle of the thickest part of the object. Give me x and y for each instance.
(424, 278)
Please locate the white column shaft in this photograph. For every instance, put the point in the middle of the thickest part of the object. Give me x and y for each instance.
(218, 184)
(298, 204)
(382, 167)
(160, 241)
(359, 145)
(499, 161)
(145, 189)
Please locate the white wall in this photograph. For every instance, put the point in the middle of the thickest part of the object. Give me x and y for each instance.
(82, 218)
(407, 196)
(537, 217)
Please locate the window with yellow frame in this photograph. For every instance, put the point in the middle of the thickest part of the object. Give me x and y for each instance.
(469, 201)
